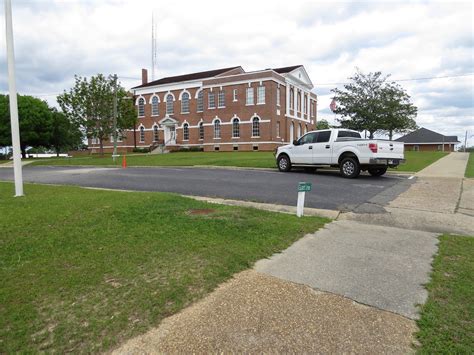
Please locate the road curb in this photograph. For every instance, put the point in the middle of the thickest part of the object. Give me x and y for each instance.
(332, 214)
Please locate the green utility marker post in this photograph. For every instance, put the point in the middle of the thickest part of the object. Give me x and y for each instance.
(302, 188)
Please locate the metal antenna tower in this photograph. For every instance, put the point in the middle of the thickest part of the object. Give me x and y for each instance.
(153, 47)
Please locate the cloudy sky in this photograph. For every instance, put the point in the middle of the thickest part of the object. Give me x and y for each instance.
(409, 40)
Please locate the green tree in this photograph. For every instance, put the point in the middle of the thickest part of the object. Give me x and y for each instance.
(322, 124)
(64, 135)
(399, 114)
(35, 120)
(371, 103)
(89, 105)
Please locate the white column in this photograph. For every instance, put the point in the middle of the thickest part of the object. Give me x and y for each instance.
(287, 99)
(308, 105)
(15, 129)
(295, 101)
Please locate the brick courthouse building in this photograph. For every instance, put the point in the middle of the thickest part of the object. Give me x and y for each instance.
(222, 110)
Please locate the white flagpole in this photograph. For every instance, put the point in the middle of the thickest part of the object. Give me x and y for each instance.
(17, 169)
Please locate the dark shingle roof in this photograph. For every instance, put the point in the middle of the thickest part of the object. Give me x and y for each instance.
(286, 69)
(424, 135)
(186, 77)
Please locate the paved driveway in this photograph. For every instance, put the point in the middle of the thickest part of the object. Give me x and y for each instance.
(330, 191)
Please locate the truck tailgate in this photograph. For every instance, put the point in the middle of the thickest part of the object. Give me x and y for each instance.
(389, 149)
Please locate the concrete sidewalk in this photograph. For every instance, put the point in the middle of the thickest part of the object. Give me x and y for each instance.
(452, 165)
(256, 313)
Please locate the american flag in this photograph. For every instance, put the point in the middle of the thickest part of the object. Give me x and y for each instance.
(332, 106)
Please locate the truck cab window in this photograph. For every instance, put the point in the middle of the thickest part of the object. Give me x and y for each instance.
(323, 137)
(307, 138)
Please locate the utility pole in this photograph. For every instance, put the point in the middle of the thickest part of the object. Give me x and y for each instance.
(465, 142)
(114, 154)
(17, 169)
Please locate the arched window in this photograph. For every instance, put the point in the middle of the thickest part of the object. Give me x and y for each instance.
(292, 98)
(201, 130)
(142, 134)
(154, 106)
(235, 128)
(186, 132)
(185, 103)
(155, 134)
(141, 107)
(255, 127)
(298, 102)
(217, 129)
(299, 131)
(305, 104)
(200, 102)
(169, 104)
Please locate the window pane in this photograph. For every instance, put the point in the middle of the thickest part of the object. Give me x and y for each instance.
(142, 134)
(201, 130)
(235, 95)
(261, 95)
(323, 136)
(217, 129)
(278, 96)
(200, 102)
(255, 127)
(185, 103)
(212, 102)
(343, 134)
(154, 106)
(221, 99)
(235, 128)
(141, 107)
(250, 100)
(169, 105)
(155, 133)
(186, 132)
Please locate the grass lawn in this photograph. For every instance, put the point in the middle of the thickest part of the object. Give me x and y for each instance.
(470, 166)
(416, 161)
(447, 318)
(4, 161)
(82, 270)
(241, 159)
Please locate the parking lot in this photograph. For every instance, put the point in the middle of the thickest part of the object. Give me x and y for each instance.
(329, 190)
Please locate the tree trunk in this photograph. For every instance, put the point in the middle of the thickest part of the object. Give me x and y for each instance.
(101, 147)
(57, 152)
(23, 152)
(390, 134)
(371, 135)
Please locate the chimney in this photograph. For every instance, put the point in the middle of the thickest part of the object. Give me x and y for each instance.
(144, 76)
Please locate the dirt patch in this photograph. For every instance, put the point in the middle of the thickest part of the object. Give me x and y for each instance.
(204, 211)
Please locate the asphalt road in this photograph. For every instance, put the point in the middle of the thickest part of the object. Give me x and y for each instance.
(330, 191)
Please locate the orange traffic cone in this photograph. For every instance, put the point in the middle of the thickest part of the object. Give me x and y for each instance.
(124, 162)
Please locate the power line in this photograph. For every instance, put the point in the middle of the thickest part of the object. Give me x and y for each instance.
(411, 79)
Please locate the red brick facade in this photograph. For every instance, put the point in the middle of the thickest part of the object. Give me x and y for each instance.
(429, 147)
(274, 120)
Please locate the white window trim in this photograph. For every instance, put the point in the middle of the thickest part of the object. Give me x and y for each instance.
(218, 103)
(264, 94)
(234, 95)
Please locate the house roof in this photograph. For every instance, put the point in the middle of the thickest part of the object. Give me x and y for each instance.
(187, 77)
(424, 135)
(286, 69)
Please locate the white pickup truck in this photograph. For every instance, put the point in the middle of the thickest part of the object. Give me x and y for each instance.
(340, 148)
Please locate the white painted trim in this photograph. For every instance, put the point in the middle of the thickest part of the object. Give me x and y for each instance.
(152, 96)
(167, 94)
(138, 99)
(181, 94)
(197, 93)
(248, 82)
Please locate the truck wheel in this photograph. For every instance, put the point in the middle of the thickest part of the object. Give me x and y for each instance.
(284, 163)
(349, 168)
(377, 171)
